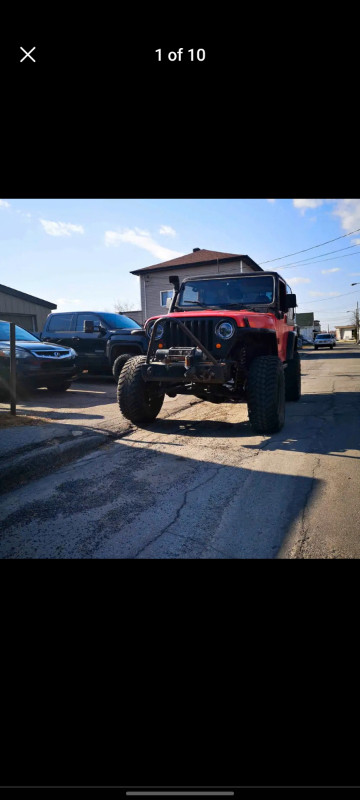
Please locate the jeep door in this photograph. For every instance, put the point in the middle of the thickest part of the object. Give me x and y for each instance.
(91, 347)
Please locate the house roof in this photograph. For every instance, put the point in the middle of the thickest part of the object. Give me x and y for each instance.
(199, 256)
(29, 297)
(305, 319)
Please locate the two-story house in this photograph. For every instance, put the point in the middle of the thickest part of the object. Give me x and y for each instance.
(155, 288)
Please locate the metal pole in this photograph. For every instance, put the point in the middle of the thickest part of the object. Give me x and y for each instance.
(12, 370)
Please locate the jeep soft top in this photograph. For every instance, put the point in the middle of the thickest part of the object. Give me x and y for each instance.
(226, 339)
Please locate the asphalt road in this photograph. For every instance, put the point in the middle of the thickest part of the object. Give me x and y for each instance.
(90, 402)
(197, 483)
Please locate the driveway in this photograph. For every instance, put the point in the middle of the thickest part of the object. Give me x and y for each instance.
(198, 483)
(91, 402)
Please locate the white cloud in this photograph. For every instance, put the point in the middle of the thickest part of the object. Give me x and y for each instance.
(354, 273)
(270, 201)
(140, 239)
(323, 294)
(23, 213)
(327, 271)
(299, 280)
(65, 304)
(349, 213)
(302, 205)
(4, 204)
(166, 230)
(60, 228)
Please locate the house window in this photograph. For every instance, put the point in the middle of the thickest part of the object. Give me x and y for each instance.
(164, 296)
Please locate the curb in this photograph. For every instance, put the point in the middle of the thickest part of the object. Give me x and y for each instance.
(24, 467)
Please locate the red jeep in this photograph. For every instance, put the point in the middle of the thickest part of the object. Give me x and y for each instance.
(226, 339)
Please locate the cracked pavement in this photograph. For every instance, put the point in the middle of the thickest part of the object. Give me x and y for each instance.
(198, 484)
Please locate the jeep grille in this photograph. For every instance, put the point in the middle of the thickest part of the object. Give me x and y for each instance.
(203, 328)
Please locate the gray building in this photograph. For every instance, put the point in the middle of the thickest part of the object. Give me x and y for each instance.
(155, 288)
(308, 326)
(27, 311)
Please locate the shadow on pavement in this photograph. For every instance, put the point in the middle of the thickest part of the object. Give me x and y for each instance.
(317, 423)
(210, 510)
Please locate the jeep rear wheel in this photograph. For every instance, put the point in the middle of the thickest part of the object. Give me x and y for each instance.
(136, 400)
(293, 378)
(119, 363)
(266, 394)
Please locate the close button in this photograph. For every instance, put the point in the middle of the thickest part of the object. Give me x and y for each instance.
(27, 54)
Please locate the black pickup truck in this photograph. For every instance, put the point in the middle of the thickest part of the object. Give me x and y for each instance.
(102, 340)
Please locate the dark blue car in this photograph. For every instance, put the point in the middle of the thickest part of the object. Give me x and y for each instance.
(38, 363)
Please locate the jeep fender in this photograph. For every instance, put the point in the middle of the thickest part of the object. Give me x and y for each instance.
(290, 346)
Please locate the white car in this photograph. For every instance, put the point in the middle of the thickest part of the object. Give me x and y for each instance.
(324, 340)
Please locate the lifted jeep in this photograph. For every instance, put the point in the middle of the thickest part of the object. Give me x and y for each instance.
(226, 339)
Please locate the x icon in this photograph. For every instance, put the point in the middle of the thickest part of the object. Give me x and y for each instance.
(27, 54)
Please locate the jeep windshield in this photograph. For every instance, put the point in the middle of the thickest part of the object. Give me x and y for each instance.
(234, 293)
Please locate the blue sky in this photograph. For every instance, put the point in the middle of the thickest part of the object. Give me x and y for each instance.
(79, 253)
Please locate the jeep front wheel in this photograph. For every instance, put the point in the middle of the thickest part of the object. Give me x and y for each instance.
(293, 378)
(119, 363)
(266, 394)
(136, 400)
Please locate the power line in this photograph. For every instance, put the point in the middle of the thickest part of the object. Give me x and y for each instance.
(320, 261)
(270, 260)
(320, 299)
(311, 258)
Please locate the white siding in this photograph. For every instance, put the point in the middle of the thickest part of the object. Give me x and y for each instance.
(152, 283)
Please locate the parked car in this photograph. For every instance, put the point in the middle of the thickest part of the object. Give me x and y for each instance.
(324, 340)
(103, 341)
(37, 364)
(305, 340)
(299, 342)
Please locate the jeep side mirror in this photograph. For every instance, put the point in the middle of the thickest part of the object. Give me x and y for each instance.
(88, 326)
(290, 301)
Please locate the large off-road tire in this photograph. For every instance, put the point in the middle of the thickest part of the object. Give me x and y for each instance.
(119, 363)
(136, 401)
(293, 378)
(266, 394)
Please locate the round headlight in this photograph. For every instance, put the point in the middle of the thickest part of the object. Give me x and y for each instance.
(159, 330)
(225, 330)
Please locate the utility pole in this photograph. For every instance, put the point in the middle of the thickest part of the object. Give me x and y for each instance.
(357, 315)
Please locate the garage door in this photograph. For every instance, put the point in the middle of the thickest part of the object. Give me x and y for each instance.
(27, 321)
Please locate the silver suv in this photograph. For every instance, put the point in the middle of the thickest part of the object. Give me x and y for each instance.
(324, 340)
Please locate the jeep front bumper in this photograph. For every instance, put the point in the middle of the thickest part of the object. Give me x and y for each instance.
(185, 365)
